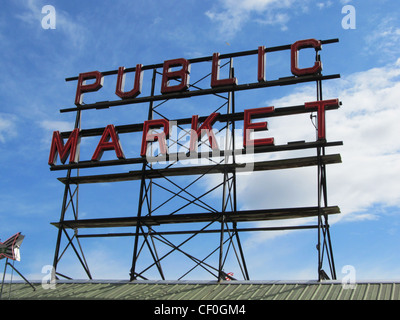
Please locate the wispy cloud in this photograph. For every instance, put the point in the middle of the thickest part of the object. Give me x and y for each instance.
(49, 126)
(383, 39)
(232, 15)
(367, 122)
(323, 5)
(61, 126)
(7, 126)
(72, 29)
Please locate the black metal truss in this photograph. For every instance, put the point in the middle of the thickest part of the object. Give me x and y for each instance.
(228, 197)
(223, 220)
(324, 245)
(70, 202)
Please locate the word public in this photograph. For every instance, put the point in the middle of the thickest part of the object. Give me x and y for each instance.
(182, 75)
(110, 140)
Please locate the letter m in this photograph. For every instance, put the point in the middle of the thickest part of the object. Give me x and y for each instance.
(70, 148)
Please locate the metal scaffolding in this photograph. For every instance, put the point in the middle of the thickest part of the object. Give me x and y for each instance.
(148, 224)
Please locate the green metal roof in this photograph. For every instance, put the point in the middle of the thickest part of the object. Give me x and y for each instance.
(190, 290)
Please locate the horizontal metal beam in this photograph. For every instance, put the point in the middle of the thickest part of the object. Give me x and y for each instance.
(209, 58)
(239, 216)
(297, 145)
(237, 116)
(205, 169)
(165, 233)
(200, 92)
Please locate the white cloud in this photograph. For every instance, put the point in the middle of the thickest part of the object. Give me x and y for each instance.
(231, 15)
(33, 13)
(7, 126)
(367, 123)
(367, 180)
(326, 4)
(383, 39)
(371, 151)
(61, 126)
(278, 19)
(50, 126)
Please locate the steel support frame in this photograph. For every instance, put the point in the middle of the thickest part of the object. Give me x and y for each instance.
(324, 245)
(229, 240)
(70, 199)
(227, 243)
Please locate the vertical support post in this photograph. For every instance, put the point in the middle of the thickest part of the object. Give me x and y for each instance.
(245, 271)
(4, 275)
(319, 168)
(319, 216)
(61, 229)
(142, 190)
(324, 242)
(225, 186)
(229, 187)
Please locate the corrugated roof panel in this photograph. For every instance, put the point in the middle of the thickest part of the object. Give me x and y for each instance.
(238, 292)
(116, 291)
(204, 292)
(141, 292)
(199, 290)
(333, 292)
(271, 292)
(394, 292)
(308, 292)
(371, 291)
(320, 292)
(156, 291)
(246, 291)
(177, 292)
(384, 292)
(295, 292)
(235, 290)
(345, 294)
(284, 292)
(358, 292)
(255, 292)
(262, 292)
(96, 291)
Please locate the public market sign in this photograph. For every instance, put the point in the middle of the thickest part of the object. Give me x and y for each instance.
(175, 83)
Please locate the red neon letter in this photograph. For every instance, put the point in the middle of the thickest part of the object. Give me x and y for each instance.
(215, 81)
(182, 74)
(106, 144)
(82, 87)
(248, 127)
(320, 106)
(137, 87)
(57, 146)
(205, 128)
(261, 64)
(298, 45)
(160, 137)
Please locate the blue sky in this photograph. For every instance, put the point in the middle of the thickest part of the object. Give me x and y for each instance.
(103, 35)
